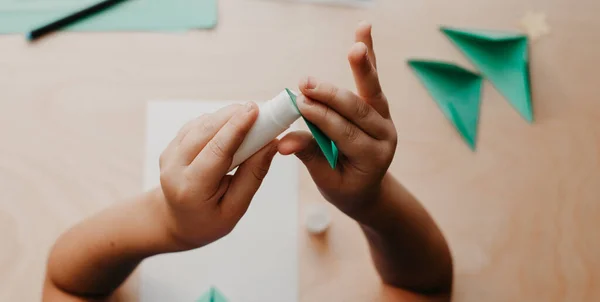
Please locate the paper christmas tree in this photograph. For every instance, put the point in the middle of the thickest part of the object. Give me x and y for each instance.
(457, 92)
(326, 145)
(502, 58)
(212, 295)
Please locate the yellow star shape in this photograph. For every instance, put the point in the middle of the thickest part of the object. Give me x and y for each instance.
(535, 25)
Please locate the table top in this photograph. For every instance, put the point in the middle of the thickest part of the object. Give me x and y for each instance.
(520, 214)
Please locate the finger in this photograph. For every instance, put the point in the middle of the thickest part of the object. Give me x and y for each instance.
(196, 122)
(350, 139)
(217, 156)
(294, 142)
(363, 34)
(348, 105)
(171, 148)
(367, 79)
(303, 145)
(246, 181)
(197, 133)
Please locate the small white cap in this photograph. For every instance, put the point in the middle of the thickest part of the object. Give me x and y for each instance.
(317, 218)
(282, 110)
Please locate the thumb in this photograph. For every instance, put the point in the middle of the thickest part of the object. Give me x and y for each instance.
(304, 146)
(246, 181)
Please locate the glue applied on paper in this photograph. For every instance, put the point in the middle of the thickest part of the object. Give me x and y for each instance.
(257, 261)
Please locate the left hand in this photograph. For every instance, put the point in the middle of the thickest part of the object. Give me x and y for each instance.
(360, 125)
(202, 202)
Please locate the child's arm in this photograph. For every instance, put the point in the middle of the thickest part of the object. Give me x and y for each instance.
(408, 248)
(196, 204)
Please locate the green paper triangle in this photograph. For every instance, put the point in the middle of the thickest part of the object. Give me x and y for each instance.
(457, 92)
(212, 295)
(326, 145)
(483, 34)
(502, 59)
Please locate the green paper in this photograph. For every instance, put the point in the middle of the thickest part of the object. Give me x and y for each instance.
(212, 295)
(457, 92)
(326, 145)
(503, 59)
(18, 16)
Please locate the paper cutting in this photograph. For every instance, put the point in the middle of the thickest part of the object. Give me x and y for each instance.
(502, 58)
(457, 92)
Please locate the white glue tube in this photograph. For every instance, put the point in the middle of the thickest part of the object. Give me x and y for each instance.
(274, 117)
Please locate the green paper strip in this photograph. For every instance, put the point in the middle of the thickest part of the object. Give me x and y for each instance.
(326, 145)
(18, 16)
(503, 59)
(457, 92)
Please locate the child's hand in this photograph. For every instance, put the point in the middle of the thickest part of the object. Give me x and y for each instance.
(203, 203)
(360, 125)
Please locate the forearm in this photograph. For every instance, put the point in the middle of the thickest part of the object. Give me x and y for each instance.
(93, 258)
(408, 249)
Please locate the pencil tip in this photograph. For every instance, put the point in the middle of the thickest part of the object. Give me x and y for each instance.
(29, 36)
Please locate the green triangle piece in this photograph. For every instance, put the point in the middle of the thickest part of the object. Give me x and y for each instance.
(457, 92)
(484, 34)
(218, 296)
(207, 297)
(503, 59)
(326, 145)
(212, 295)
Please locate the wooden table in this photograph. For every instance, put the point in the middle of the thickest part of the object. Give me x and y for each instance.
(520, 214)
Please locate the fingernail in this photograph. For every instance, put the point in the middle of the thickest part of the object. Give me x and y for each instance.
(309, 83)
(248, 107)
(362, 47)
(364, 23)
(305, 100)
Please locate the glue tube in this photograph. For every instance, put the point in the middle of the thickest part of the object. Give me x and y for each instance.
(274, 117)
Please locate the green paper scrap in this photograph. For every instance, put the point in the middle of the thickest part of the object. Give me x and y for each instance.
(502, 58)
(212, 295)
(326, 145)
(17, 16)
(457, 92)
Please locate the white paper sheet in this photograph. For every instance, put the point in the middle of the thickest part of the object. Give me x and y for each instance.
(258, 261)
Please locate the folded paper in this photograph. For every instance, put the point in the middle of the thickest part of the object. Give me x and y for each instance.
(148, 15)
(212, 295)
(326, 145)
(457, 92)
(502, 58)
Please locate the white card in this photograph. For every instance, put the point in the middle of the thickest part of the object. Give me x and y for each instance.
(258, 261)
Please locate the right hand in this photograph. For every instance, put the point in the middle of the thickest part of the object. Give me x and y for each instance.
(203, 203)
(359, 123)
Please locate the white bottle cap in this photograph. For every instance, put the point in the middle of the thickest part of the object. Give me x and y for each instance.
(282, 110)
(317, 218)
(274, 117)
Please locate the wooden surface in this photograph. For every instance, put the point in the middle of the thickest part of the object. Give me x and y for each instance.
(520, 214)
